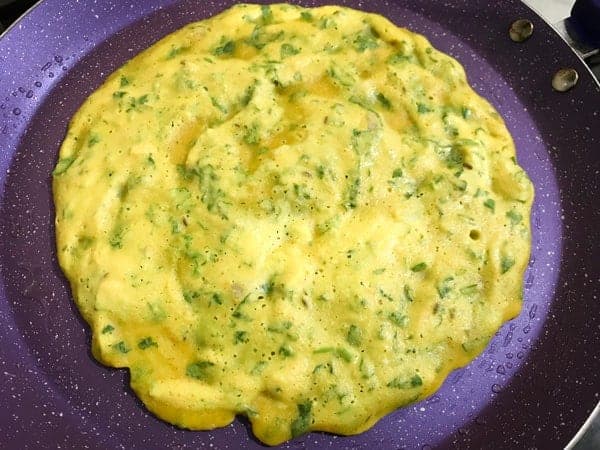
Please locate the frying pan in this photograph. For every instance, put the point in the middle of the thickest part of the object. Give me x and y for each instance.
(534, 385)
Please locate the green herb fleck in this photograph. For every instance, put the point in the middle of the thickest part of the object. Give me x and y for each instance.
(398, 58)
(217, 104)
(320, 172)
(251, 136)
(285, 351)
(288, 50)
(200, 370)
(469, 290)
(419, 267)
(384, 101)
(280, 327)
(445, 287)
(124, 81)
(146, 343)
(386, 295)
(454, 158)
(116, 238)
(401, 383)
(62, 165)
(514, 216)
(108, 329)
(490, 203)
(366, 369)
(352, 194)
(94, 139)
(344, 354)
(398, 319)
(241, 337)
(174, 52)
(258, 368)
(466, 112)
(354, 336)
(408, 293)
(217, 298)
(366, 40)
(121, 347)
(306, 16)
(397, 173)
(267, 14)
(422, 109)
(248, 95)
(506, 262)
(225, 48)
(301, 424)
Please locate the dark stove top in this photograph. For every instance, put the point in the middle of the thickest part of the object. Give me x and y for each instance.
(11, 10)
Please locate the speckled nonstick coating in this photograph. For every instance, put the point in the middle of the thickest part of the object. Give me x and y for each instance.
(533, 386)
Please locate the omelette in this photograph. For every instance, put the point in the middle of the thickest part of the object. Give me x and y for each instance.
(303, 216)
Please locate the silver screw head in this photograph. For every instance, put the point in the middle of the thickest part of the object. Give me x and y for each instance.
(521, 30)
(564, 79)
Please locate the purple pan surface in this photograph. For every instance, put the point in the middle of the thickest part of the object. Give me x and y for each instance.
(534, 385)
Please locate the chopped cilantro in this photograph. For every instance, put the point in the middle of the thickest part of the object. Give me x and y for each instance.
(384, 101)
(306, 16)
(490, 203)
(94, 139)
(302, 423)
(288, 50)
(408, 293)
(200, 370)
(121, 347)
(454, 158)
(251, 136)
(515, 217)
(402, 383)
(398, 319)
(352, 193)
(267, 14)
(217, 298)
(445, 287)
(398, 58)
(506, 262)
(225, 48)
(422, 108)
(248, 94)
(241, 337)
(174, 52)
(469, 290)
(354, 336)
(419, 267)
(366, 39)
(62, 165)
(217, 104)
(258, 368)
(286, 351)
(344, 354)
(108, 329)
(146, 343)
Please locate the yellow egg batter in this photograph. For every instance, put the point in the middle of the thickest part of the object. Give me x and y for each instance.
(304, 216)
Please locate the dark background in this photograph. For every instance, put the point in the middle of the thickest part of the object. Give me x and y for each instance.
(10, 10)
